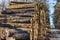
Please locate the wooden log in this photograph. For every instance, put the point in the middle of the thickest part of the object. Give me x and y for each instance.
(20, 6)
(20, 11)
(14, 18)
(23, 25)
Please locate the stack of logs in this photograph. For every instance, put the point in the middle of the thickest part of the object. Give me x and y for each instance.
(27, 18)
(21, 17)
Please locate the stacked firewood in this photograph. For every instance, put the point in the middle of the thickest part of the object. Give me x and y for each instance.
(19, 16)
(19, 13)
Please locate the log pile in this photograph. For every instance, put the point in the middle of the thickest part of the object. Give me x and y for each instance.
(27, 18)
(20, 13)
(19, 16)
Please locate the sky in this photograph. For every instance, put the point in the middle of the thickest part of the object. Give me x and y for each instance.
(51, 4)
(0, 1)
(6, 2)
